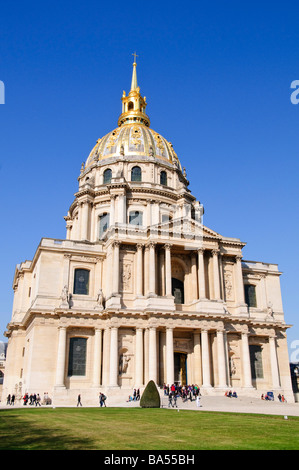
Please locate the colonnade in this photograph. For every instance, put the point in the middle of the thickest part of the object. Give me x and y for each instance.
(105, 360)
(146, 270)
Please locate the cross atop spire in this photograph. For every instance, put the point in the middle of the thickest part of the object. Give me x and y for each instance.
(135, 55)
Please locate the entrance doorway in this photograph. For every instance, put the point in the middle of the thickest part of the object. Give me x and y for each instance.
(180, 368)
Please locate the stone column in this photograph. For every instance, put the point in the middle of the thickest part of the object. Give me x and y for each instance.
(216, 274)
(84, 220)
(139, 358)
(168, 287)
(61, 354)
(106, 356)
(139, 270)
(113, 382)
(239, 281)
(246, 367)
(169, 356)
(146, 355)
(121, 209)
(205, 357)
(97, 357)
(115, 275)
(201, 274)
(221, 359)
(274, 364)
(197, 359)
(112, 210)
(152, 359)
(152, 269)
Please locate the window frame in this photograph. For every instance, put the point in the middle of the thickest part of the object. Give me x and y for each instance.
(248, 295)
(164, 173)
(71, 371)
(109, 179)
(140, 215)
(139, 175)
(76, 272)
(101, 216)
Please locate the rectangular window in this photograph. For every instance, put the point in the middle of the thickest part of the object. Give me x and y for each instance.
(250, 295)
(77, 356)
(81, 282)
(256, 361)
(104, 223)
(135, 218)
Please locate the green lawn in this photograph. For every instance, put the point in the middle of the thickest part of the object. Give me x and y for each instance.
(143, 429)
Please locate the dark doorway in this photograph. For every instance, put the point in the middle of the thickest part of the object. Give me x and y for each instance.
(178, 291)
(180, 368)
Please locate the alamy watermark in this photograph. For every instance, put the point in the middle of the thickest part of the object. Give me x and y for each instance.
(2, 92)
(295, 95)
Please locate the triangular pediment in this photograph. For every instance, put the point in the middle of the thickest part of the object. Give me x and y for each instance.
(186, 226)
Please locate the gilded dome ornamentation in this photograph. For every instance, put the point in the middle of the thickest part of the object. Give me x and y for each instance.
(133, 138)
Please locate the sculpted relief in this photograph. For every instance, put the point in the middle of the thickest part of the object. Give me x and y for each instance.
(228, 282)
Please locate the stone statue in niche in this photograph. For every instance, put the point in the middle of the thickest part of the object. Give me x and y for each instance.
(270, 312)
(100, 300)
(123, 363)
(232, 366)
(65, 297)
(126, 277)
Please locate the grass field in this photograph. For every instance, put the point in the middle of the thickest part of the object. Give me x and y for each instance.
(143, 429)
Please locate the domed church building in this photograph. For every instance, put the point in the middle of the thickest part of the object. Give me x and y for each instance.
(140, 289)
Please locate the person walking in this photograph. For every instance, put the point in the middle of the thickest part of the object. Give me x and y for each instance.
(198, 404)
(79, 400)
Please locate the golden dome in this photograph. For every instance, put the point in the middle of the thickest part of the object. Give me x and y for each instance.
(133, 140)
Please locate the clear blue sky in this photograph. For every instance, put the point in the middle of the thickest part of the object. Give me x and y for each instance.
(217, 79)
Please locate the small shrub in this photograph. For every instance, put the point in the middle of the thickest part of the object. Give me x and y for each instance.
(150, 397)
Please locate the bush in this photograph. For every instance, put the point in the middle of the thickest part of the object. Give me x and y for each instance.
(150, 397)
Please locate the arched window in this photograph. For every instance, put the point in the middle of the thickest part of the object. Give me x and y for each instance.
(104, 223)
(77, 356)
(81, 282)
(135, 218)
(136, 173)
(163, 178)
(107, 176)
(130, 105)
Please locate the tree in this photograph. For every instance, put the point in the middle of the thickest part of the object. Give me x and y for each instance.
(150, 397)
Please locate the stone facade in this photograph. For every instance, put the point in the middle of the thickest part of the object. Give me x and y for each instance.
(140, 289)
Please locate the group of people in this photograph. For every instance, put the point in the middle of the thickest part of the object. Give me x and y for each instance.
(34, 399)
(185, 392)
(270, 397)
(231, 394)
(135, 395)
(10, 400)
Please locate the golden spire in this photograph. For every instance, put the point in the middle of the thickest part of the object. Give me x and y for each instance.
(134, 74)
(133, 105)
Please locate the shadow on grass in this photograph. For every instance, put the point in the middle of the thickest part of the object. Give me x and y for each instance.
(143, 429)
(22, 431)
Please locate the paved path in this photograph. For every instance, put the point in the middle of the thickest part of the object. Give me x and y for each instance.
(211, 403)
(233, 405)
